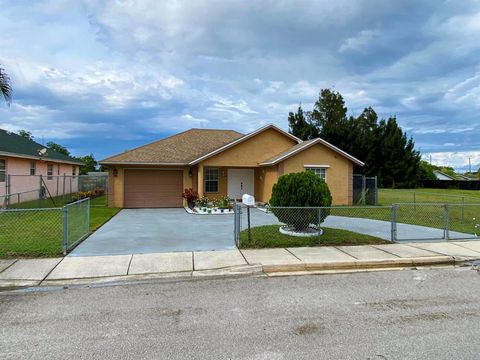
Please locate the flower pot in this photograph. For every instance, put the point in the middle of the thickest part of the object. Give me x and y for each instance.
(191, 204)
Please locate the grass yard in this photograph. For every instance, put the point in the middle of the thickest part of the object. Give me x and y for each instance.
(268, 236)
(57, 201)
(38, 233)
(451, 196)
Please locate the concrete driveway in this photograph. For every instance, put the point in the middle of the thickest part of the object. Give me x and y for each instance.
(138, 231)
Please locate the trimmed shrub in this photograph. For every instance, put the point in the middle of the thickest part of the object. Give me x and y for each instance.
(303, 189)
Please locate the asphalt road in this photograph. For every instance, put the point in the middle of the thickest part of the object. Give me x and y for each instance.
(409, 314)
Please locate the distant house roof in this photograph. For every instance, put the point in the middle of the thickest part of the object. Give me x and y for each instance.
(179, 149)
(305, 145)
(14, 145)
(442, 176)
(464, 177)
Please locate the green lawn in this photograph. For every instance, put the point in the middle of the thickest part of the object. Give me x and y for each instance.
(269, 236)
(38, 233)
(57, 201)
(451, 196)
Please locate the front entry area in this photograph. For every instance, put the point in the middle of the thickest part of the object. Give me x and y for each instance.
(240, 181)
(153, 188)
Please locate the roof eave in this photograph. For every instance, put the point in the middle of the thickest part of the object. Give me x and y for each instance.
(141, 163)
(316, 141)
(39, 158)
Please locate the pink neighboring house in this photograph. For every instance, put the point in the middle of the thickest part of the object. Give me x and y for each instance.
(27, 166)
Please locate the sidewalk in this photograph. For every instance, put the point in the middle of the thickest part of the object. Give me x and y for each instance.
(279, 261)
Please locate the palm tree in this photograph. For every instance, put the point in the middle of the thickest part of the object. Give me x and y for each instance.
(5, 86)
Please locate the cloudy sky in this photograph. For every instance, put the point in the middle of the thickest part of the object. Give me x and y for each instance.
(104, 76)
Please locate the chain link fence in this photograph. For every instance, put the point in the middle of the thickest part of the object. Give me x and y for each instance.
(76, 223)
(365, 190)
(38, 191)
(396, 223)
(44, 231)
(392, 196)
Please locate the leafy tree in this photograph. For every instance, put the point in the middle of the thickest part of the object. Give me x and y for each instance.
(58, 148)
(303, 189)
(89, 164)
(426, 171)
(5, 86)
(300, 126)
(25, 134)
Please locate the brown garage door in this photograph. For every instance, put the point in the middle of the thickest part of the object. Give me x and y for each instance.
(153, 188)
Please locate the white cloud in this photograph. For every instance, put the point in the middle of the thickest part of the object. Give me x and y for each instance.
(360, 42)
(458, 160)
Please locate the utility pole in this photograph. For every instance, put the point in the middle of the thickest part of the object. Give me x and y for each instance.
(469, 164)
(430, 159)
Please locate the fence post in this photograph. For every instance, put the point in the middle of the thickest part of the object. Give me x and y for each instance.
(364, 188)
(319, 222)
(463, 206)
(39, 190)
(376, 191)
(446, 235)
(235, 223)
(394, 223)
(414, 201)
(88, 216)
(65, 229)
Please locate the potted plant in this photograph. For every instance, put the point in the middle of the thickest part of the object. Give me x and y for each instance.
(191, 196)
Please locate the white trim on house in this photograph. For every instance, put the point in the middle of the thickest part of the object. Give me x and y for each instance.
(316, 166)
(242, 139)
(311, 143)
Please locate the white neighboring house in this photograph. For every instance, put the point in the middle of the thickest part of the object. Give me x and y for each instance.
(442, 176)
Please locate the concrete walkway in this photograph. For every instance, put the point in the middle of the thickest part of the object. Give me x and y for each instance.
(91, 269)
(378, 228)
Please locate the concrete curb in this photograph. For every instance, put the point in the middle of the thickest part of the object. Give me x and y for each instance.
(230, 272)
(251, 270)
(365, 265)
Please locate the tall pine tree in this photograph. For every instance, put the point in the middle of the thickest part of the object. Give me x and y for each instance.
(381, 145)
(300, 126)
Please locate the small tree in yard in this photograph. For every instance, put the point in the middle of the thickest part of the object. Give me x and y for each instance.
(303, 189)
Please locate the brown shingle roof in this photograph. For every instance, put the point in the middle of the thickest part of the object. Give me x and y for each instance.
(177, 149)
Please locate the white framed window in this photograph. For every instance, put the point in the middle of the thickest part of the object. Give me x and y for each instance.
(33, 167)
(49, 171)
(319, 170)
(3, 170)
(211, 180)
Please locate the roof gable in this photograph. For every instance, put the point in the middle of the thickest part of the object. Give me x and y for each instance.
(12, 144)
(241, 140)
(178, 149)
(305, 145)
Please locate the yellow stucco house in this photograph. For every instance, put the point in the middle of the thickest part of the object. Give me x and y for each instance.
(223, 162)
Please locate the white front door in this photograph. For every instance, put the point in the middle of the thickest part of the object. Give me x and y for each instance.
(240, 181)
